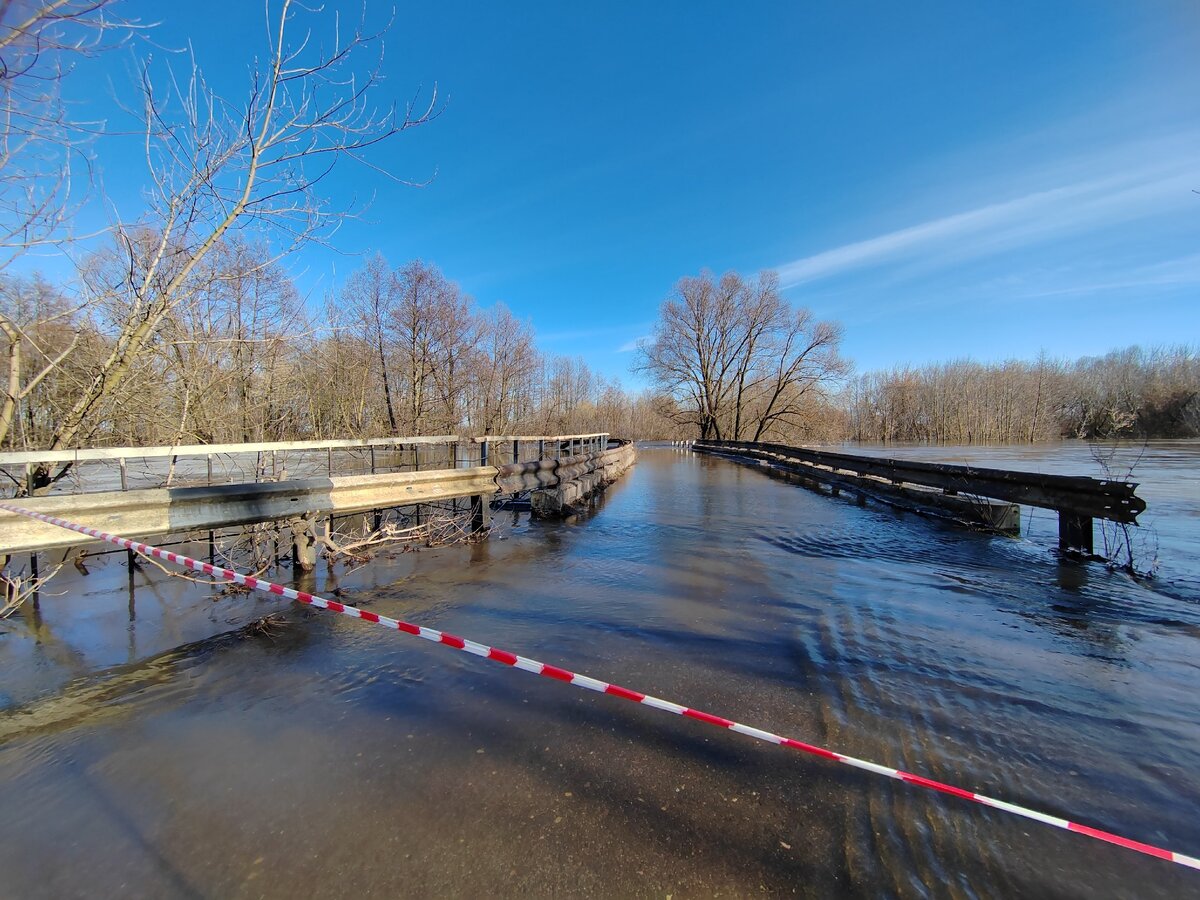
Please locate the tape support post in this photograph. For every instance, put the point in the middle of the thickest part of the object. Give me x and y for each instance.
(593, 684)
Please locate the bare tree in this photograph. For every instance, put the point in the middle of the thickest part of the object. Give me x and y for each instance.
(455, 339)
(42, 146)
(370, 297)
(337, 357)
(425, 301)
(505, 362)
(739, 361)
(40, 331)
(217, 166)
(225, 355)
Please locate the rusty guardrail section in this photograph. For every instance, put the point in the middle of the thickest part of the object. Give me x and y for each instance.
(1077, 499)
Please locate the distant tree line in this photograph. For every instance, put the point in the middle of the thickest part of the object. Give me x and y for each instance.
(403, 351)
(396, 352)
(1130, 392)
(731, 359)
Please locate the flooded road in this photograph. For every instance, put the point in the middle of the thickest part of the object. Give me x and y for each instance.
(337, 759)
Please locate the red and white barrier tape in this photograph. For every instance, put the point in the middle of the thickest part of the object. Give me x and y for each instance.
(603, 687)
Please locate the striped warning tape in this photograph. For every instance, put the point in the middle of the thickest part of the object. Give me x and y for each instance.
(603, 687)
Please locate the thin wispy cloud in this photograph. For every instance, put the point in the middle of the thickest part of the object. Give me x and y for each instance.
(1130, 192)
(1170, 273)
(636, 343)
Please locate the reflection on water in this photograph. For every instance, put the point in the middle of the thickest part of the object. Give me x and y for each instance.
(141, 756)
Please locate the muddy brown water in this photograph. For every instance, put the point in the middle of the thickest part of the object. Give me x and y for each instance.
(147, 749)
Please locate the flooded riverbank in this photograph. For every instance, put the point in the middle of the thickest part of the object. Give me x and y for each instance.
(145, 755)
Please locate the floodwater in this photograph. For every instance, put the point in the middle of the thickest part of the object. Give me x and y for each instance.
(148, 749)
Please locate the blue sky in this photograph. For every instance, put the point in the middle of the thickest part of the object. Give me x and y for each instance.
(945, 179)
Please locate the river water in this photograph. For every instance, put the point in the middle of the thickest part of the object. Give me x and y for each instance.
(143, 753)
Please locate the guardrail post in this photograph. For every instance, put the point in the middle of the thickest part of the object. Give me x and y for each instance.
(516, 451)
(376, 514)
(125, 487)
(480, 513)
(541, 450)
(212, 538)
(1075, 533)
(483, 453)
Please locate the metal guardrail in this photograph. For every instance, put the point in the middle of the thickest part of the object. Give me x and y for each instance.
(11, 462)
(176, 510)
(497, 438)
(493, 446)
(1077, 499)
(97, 454)
(152, 511)
(458, 452)
(1092, 497)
